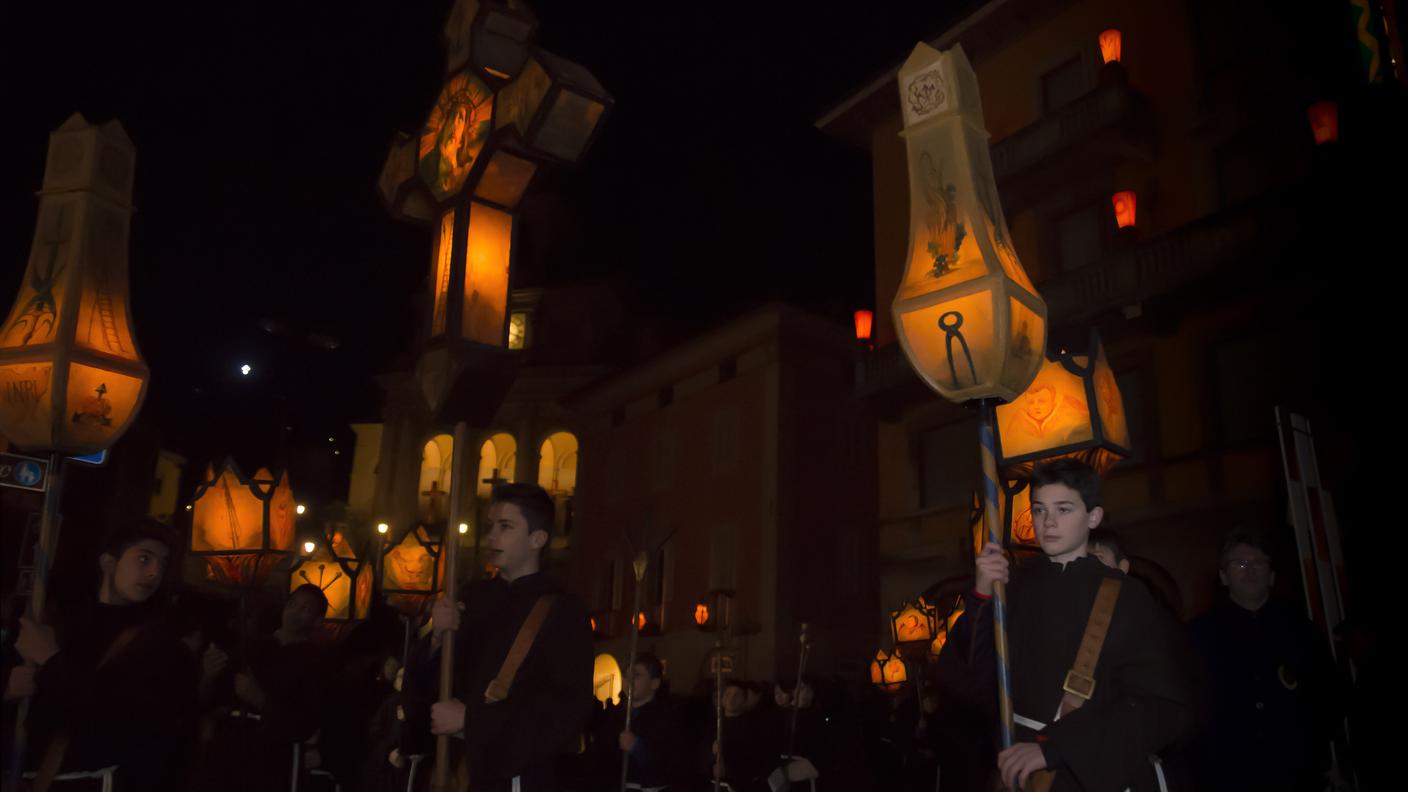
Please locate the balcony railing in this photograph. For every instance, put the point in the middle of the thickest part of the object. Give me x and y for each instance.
(1112, 104)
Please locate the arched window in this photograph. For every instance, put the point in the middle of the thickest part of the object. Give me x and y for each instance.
(434, 490)
(557, 464)
(606, 679)
(497, 458)
(557, 473)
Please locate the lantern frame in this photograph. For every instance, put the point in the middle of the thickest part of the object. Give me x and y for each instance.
(353, 567)
(1101, 451)
(925, 617)
(244, 566)
(879, 676)
(406, 600)
(550, 77)
(76, 288)
(489, 22)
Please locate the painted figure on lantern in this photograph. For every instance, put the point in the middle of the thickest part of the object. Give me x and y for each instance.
(40, 301)
(1047, 415)
(946, 233)
(455, 133)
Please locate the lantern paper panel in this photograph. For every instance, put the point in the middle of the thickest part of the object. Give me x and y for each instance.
(338, 573)
(1125, 204)
(606, 679)
(1110, 46)
(70, 371)
(1053, 417)
(492, 37)
(913, 623)
(242, 525)
(555, 106)
(506, 178)
(412, 570)
(966, 313)
(454, 134)
(1014, 517)
(888, 672)
(487, 258)
(714, 611)
(444, 248)
(404, 194)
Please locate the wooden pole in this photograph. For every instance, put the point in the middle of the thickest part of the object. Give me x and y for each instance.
(449, 547)
(638, 566)
(986, 411)
(48, 543)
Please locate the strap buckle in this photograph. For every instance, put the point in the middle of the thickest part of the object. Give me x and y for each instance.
(1079, 685)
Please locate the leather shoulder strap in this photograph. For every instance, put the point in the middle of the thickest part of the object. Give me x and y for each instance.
(501, 684)
(1080, 680)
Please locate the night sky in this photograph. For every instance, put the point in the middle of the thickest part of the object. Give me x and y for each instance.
(261, 127)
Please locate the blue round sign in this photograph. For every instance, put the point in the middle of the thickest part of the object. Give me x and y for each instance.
(28, 474)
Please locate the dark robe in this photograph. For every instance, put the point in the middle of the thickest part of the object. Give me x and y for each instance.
(546, 711)
(750, 751)
(137, 711)
(658, 758)
(1144, 702)
(1272, 687)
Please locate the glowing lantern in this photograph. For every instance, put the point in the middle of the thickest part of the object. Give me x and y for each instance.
(714, 611)
(640, 620)
(1054, 417)
(945, 626)
(966, 313)
(601, 624)
(1324, 122)
(1124, 203)
(864, 320)
(555, 106)
(490, 37)
(1110, 46)
(914, 623)
(242, 526)
(333, 567)
(888, 673)
(412, 570)
(71, 378)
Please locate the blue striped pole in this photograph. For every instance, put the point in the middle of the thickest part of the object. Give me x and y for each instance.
(986, 411)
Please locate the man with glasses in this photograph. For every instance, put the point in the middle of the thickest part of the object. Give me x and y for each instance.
(1270, 680)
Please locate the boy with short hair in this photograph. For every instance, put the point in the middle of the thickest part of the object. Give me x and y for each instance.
(1094, 726)
(513, 737)
(115, 685)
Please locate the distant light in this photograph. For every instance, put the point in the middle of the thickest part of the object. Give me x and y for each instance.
(337, 453)
(189, 507)
(331, 440)
(464, 528)
(382, 528)
(308, 547)
(245, 369)
(301, 508)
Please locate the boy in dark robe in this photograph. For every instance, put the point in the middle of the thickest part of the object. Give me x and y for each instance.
(655, 742)
(749, 749)
(513, 743)
(1142, 702)
(115, 685)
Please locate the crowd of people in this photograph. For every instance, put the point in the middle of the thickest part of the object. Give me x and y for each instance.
(1108, 690)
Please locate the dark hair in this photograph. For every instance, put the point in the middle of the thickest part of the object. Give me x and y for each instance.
(1074, 474)
(532, 500)
(311, 590)
(1241, 535)
(735, 682)
(1108, 539)
(652, 664)
(130, 533)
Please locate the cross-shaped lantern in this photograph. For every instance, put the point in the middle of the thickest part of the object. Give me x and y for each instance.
(506, 107)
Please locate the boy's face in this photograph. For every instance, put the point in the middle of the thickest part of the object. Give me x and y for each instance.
(301, 614)
(1061, 521)
(509, 545)
(1247, 573)
(643, 685)
(136, 576)
(735, 701)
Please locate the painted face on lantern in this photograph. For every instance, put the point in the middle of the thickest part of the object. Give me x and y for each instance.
(136, 576)
(509, 545)
(1061, 521)
(1040, 403)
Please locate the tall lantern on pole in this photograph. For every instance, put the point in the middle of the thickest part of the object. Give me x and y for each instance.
(243, 527)
(70, 372)
(967, 315)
